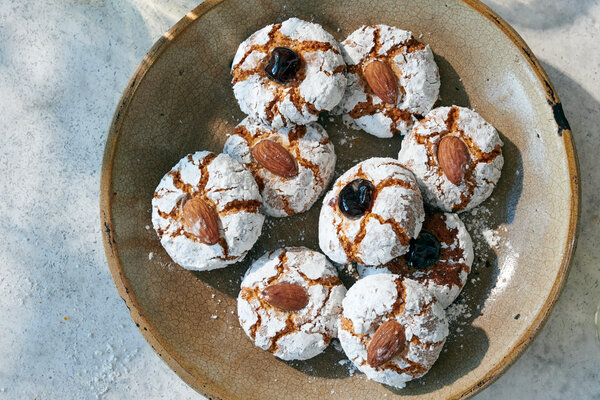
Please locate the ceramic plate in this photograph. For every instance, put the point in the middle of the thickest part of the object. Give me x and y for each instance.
(180, 100)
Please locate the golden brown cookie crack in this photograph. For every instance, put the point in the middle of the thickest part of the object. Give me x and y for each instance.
(176, 213)
(236, 206)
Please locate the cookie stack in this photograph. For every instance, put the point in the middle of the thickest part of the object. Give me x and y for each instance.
(394, 219)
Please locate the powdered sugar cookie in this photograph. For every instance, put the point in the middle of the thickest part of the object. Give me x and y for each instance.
(371, 213)
(286, 74)
(384, 55)
(206, 211)
(393, 329)
(440, 258)
(467, 173)
(290, 302)
(309, 169)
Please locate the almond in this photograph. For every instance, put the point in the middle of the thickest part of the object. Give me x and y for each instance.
(286, 296)
(453, 157)
(388, 341)
(382, 81)
(201, 220)
(275, 158)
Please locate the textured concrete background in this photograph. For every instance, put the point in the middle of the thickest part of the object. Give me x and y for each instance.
(64, 331)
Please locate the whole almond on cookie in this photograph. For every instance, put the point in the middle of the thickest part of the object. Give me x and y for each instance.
(286, 296)
(388, 341)
(275, 158)
(382, 81)
(201, 220)
(453, 157)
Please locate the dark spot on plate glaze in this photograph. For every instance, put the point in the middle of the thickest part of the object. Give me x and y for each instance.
(559, 117)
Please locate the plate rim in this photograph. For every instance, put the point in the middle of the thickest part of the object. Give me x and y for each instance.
(209, 389)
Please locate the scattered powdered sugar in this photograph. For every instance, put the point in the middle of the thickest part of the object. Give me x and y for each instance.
(111, 364)
(479, 222)
(491, 237)
(347, 140)
(348, 269)
(457, 311)
(349, 365)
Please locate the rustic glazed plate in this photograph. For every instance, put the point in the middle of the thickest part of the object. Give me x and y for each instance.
(180, 100)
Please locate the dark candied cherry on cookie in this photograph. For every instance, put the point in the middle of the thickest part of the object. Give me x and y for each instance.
(356, 198)
(424, 251)
(283, 65)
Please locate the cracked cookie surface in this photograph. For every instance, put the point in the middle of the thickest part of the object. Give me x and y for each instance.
(312, 151)
(229, 189)
(448, 275)
(291, 335)
(318, 85)
(379, 298)
(482, 171)
(414, 67)
(384, 231)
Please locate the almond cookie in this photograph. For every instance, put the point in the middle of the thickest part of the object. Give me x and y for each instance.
(440, 258)
(393, 80)
(456, 157)
(392, 328)
(290, 302)
(286, 74)
(372, 212)
(206, 211)
(292, 166)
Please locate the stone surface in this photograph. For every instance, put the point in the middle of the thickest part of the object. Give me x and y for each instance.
(65, 331)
